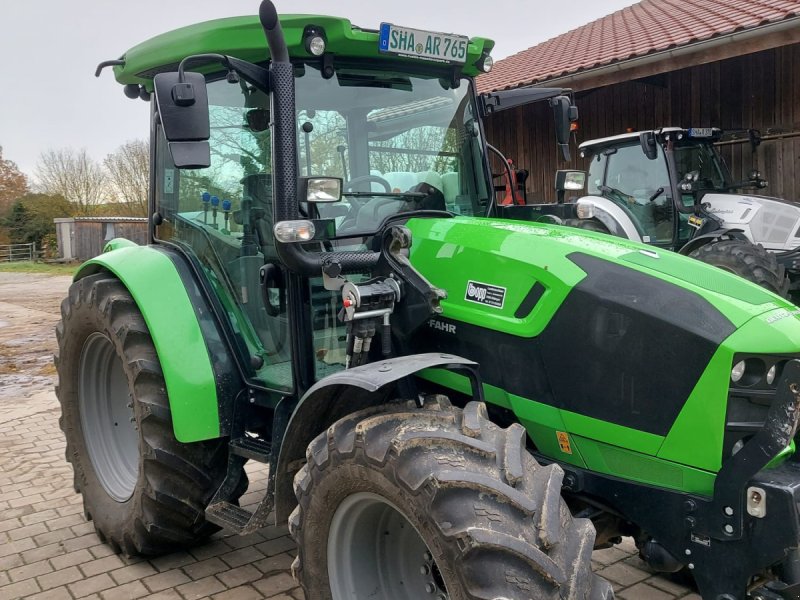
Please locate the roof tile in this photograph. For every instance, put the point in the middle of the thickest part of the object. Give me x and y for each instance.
(648, 26)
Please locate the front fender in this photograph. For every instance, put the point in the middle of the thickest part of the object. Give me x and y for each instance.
(339, 395)
(613, 217)
(706, 238)
(156, 286)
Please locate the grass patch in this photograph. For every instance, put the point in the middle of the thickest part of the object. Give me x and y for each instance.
(39, 267)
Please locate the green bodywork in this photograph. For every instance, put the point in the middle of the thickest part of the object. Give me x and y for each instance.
(156, 286)
(516, 255)
(243, 37)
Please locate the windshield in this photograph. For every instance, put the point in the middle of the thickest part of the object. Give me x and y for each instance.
(702, 158)
(399, 141)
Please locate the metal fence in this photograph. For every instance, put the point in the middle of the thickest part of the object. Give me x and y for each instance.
(17, 252)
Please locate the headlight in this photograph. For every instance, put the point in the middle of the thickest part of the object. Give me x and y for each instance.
(749, 372)
(737, 372)
(775, 372)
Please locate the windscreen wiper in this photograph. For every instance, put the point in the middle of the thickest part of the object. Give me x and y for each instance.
(410, 195)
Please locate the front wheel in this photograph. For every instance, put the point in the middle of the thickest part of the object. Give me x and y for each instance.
(406, 503)
(747, 260)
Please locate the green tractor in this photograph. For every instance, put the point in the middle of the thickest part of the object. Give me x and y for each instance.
(319, 290)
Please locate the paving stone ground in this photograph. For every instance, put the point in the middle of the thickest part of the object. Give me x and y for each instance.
(47, 549)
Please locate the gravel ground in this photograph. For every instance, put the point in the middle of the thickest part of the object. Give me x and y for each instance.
(48, 550)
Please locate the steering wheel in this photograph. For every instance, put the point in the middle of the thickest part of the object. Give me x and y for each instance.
(348, 187)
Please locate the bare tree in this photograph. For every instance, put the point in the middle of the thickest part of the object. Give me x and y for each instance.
(74, 175)
(128, 170)
(13, 183)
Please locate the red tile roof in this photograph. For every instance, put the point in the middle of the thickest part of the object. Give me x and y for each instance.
(646, 27)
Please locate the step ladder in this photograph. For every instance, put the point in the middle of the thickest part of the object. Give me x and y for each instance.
(221, 511)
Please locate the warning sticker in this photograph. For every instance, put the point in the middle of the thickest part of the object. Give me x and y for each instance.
(483, 293)
(563, 442)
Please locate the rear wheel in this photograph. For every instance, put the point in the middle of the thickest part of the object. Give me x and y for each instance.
(747, 260)
(145, 491)
(407, 503)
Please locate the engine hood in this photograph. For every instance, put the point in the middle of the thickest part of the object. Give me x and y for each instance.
(489, 269)
(771, 221)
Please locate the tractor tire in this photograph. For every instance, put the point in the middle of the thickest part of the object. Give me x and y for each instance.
(747, 260)
(406, 503)
(145, 491)
(588, 225)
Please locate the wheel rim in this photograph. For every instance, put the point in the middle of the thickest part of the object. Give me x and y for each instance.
(375, 552)
(107, 420)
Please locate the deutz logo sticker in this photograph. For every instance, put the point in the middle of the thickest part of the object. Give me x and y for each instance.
(483, 293)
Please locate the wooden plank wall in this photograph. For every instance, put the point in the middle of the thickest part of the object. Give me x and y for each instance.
(760, 90)
(89, 236)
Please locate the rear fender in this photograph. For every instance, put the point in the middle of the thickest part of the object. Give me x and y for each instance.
(161, 295)
(341, 394)
(707, 238)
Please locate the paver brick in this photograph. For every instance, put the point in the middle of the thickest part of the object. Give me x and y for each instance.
(624, 574)
(276, 546)
(204, 568)
(641, 591)
(200, 588)
(28, 571)
(242, 556)
(59, 535)
(42, 553)
(275, 584)
(90, 585)
(240, 575)
(10, 524)
(132, 572)
(129, 591)
(60, 593)
(70, 558)
(62, 577)
(29, 531)
(167, 579)
(101, 565)
(19, 589)
(172, 561)
(38, 517)
(244, 592)
(68, 521)
(279, 562)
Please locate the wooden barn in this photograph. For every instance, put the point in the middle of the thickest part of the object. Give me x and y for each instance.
(82, 238)
(733, 64)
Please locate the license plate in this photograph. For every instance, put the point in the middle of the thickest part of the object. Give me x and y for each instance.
(423, 44)
(700, 132)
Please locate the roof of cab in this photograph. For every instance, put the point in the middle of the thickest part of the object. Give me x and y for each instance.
(243, 37)
(632, 136)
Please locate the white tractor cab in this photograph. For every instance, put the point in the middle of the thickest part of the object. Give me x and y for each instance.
(671, 188)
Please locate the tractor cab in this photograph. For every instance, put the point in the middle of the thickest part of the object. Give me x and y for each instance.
(655, 184)
(640, 184)
(376, 139)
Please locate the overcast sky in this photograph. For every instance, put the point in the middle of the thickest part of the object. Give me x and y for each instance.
(50, 98)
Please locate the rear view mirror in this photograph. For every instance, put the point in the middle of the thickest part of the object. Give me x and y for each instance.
(320, 189)
(182, 104)
(647, 139)
(564, 113)
(570, 180)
